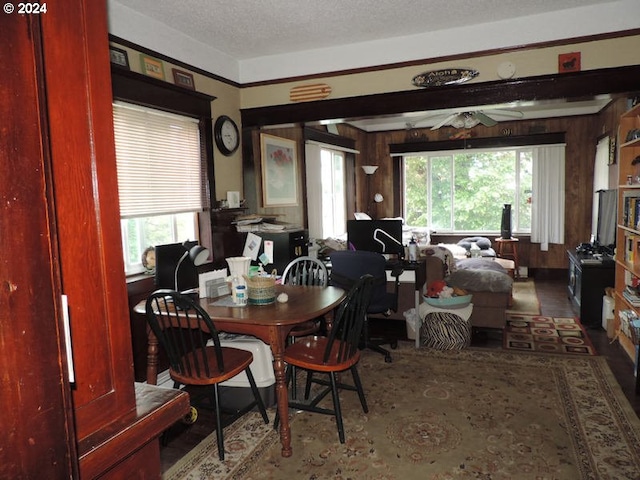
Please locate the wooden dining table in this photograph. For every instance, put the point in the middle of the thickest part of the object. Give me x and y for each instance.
(270, 323)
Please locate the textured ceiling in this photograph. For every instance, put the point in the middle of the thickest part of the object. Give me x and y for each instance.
(246, 29)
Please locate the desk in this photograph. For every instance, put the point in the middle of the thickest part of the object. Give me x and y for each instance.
(271, 324)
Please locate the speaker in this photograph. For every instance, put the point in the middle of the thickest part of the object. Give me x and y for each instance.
(505, 225)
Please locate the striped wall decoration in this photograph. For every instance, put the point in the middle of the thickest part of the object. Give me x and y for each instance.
(306, 93)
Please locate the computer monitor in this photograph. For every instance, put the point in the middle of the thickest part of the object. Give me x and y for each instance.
(382, 236)
(167, 258)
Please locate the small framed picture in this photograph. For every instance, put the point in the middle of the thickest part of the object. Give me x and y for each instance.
(152, 66)
(569, 62)
(119, 57)
(183, 79)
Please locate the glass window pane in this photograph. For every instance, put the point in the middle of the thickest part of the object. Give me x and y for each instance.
(415, 192)
(441, 193)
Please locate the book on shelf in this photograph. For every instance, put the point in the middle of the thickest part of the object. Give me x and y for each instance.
(631, 296)
(631, 210)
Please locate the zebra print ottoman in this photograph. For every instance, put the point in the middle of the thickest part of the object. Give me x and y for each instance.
(445, 331)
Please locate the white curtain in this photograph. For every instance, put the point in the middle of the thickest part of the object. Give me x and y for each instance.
(600, 180)
(547, 213)
(314, 190)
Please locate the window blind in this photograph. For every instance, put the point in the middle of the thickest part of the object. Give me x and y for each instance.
(160, 167)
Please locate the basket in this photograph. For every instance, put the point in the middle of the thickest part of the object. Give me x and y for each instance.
(261, 290)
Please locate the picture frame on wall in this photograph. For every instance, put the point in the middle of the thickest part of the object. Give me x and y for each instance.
(152, 66)
(279, 171)
(119, 57)
(183, 79)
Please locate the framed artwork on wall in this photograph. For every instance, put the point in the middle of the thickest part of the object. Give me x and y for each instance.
(279, 171)
(183, 79)
(152, 66)
(119, 57)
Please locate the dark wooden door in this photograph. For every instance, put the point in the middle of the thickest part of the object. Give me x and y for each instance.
(36, 399)
(59, 235)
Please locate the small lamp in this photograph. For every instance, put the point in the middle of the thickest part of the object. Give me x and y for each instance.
(369, 170)
(197, 253)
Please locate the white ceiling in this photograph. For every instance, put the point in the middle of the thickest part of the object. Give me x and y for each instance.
(256, 40)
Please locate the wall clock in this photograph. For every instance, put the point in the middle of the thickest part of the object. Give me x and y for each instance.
(226, 134)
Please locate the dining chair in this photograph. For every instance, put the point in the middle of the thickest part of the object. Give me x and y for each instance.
(311, 272)
(347, 266)
(330, 355)
(196, 358)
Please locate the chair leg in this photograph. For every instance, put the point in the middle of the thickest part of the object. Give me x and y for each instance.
(336, 406)
(368, 343)
(256, 394)
(359, 389)
(219, 428)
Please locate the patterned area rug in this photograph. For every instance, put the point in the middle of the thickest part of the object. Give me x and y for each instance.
(547, 334)
(444, 415)
(524, 298)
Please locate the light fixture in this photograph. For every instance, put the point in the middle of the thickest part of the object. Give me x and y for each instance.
(369, 170)
(197, 253)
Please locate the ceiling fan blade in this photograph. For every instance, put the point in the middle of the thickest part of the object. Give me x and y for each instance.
(484, 119)
(506, 113)
(445, 121)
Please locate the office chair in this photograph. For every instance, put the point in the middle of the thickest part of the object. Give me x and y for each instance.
(311, 272)
(184, 329)
(330, 355)
(347, 266)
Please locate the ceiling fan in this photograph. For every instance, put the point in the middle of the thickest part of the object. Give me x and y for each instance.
(470, 118)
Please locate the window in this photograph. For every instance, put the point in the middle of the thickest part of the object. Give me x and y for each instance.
(334, 207)
(161, 180)
(463, 191)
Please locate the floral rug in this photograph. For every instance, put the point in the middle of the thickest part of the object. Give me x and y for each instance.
(546, 334)
(445, 415)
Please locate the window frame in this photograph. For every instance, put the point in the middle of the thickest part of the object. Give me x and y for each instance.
(450, 157)
(139, 89)
(397, 150)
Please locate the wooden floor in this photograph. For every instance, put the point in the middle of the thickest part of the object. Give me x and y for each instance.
(554, 301)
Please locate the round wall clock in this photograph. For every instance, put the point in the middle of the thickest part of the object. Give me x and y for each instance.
(226, 134)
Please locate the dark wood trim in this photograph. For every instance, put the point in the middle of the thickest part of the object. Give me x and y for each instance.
(488, 142)
(619, 80)
(328, 138)
(152, 92)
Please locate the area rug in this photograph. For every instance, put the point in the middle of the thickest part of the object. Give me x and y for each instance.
(524, 299)
(535, 333)
(444, 415)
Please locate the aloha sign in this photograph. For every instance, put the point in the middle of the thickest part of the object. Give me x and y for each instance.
(447, 76)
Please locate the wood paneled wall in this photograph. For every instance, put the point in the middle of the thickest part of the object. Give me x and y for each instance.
(581, 134)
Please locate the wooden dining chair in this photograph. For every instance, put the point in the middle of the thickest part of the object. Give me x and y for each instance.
(333, 354)
(196, 358)
(307, 271)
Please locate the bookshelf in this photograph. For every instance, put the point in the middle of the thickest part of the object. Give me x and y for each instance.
(627, 283)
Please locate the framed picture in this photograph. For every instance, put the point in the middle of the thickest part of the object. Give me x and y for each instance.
(279, 171)
(152, 66)
(119, 57)
(569, 62)
(183, 79)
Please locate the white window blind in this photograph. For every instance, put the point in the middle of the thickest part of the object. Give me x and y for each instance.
(160, 167)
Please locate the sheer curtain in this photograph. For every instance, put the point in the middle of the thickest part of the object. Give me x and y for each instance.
(547, 212)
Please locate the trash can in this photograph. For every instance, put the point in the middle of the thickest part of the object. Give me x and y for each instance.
(608, 306)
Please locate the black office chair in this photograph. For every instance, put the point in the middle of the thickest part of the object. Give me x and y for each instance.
(347, 266)
(331, 355)
(196, 358)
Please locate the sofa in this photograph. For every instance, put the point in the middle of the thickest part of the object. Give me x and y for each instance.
(488, 282)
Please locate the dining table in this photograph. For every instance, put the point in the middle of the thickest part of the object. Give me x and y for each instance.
(271, 323)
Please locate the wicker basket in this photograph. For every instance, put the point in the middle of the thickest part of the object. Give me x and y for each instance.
(261, 290)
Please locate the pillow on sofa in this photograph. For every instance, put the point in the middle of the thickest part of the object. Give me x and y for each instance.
(479, 264)
(481, 280)
(483, 243)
